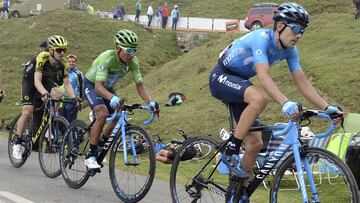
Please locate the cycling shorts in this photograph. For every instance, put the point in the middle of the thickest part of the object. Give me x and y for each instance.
(230, 89)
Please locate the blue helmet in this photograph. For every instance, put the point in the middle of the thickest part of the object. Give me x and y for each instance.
(292, 13)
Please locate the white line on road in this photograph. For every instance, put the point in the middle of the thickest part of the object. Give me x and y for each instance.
(14, 198)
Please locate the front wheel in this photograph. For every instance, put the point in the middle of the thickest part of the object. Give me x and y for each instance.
(132, 181)
(49, 146)
(11, 141)
(73, 154)
(333, 179)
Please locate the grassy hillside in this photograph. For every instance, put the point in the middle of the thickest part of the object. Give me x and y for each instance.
(329, 55)
(88, 36)
(212, 9)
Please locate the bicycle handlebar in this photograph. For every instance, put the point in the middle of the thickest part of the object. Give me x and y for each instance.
(306, 114)
(130, 108)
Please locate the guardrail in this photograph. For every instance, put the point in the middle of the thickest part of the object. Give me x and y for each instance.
(189, 23)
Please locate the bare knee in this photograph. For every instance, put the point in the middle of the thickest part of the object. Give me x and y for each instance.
(101, 114)
(27, 111)
(256, 99)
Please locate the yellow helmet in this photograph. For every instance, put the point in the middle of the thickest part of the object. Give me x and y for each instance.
(57, 41)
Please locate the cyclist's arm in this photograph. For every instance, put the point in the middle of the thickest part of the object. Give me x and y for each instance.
(308, 90)
(38, 84)
(143, 93)
(268, 84)
(102, 91)
(68, 88)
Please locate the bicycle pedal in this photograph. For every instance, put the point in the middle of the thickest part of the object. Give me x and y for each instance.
(92, 172)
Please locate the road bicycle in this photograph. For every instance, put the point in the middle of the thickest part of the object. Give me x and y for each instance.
(131, 171)
(48, 137)
(200, 181)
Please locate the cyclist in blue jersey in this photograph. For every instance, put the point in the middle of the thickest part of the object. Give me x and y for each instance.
(99, 81)
(253, 55)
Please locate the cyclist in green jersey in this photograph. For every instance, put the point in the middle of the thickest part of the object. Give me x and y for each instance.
(106, 70)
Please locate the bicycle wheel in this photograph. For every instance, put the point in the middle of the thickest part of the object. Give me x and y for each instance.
(131, 182)
(49, 146)
(26, 142)
(185, 185)
(202, 151)
(72, 165)
(334, 180)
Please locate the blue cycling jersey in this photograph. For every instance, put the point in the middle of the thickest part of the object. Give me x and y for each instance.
(259, 46)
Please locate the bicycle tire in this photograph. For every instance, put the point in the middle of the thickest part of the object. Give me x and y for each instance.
(324, 162)
(73, 169)
(182, 174)
(49, 155)
(117, 170)
(200, 154)
(14, 162)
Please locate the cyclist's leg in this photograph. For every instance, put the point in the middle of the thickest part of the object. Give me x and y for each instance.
(109, 128)
(248, 102)
(97, 104)
(27, 96)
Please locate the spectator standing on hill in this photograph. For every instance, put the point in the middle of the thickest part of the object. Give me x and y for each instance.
(150, 13)
(69, 110)
(165, 15)
(138, 10)
(159, 15)
(2, 92)
(175, 17)
(357, 6)
(5, 8)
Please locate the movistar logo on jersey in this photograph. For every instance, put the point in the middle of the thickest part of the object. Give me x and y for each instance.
(223, 80)
(233, 53)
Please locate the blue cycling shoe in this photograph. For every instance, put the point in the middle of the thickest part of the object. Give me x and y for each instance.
(233, 163)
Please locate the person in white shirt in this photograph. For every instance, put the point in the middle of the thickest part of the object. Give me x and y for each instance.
(150, 13)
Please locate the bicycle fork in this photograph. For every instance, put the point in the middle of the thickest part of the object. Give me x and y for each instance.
(132, 146)
(300, 155)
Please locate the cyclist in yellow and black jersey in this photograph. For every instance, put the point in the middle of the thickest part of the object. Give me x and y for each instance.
(51, 71)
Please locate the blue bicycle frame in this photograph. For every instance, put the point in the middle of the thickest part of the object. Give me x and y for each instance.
(291, 129)
(122, 116)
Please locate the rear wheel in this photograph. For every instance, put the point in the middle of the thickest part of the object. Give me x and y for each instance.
(188, 183)
(49, 146)
(334, 180)
(72, 160)
(132, 181)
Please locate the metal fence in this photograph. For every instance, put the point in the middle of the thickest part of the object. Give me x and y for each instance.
(186, 23)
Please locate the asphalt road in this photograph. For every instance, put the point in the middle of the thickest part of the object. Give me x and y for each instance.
(28, 184)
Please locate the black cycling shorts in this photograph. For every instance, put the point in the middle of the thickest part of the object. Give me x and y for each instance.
(27, 92)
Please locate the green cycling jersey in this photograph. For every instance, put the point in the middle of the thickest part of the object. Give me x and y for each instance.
(109, 68)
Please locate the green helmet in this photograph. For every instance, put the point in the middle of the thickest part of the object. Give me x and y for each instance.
(126, 38)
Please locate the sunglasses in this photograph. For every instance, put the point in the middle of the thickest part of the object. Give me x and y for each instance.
(130, 51)
(296, 29)
(60, 50)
